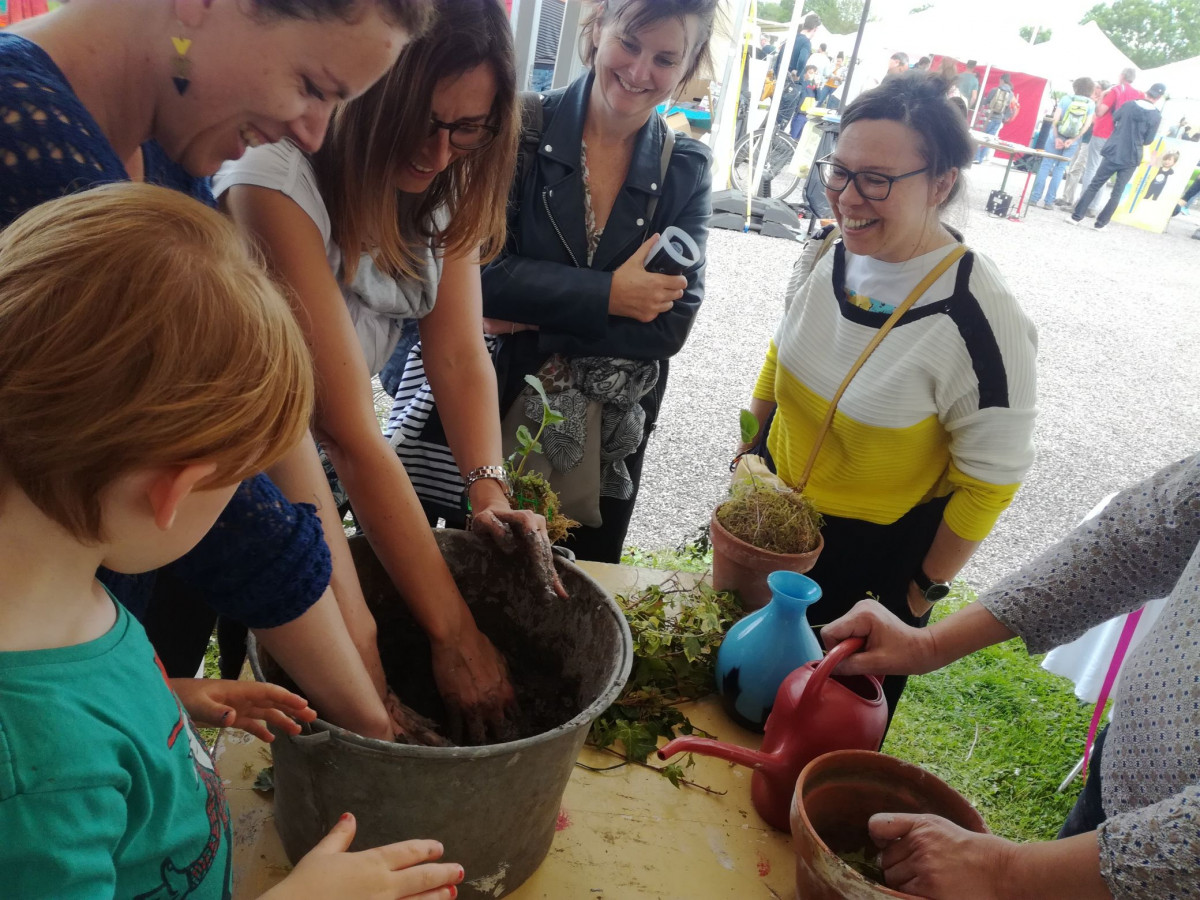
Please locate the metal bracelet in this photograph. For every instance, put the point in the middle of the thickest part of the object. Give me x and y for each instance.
(496, 473)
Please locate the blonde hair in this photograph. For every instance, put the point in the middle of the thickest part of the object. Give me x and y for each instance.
(138, 330)
(371, 137)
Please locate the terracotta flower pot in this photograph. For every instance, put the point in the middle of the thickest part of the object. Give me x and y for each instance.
(835, 796)
(742, 567)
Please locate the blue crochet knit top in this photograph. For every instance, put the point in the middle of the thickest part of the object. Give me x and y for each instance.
(265, 561)
(49, 143)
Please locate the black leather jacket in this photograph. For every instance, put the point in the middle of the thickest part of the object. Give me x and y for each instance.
(542, 277)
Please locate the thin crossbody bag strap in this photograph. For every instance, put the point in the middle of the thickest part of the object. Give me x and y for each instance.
(925, 283)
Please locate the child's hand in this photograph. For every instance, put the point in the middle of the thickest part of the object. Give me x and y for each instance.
(403, 870)
(217, 703)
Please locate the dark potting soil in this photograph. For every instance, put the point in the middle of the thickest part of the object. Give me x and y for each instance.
(545, 697)
(501, 593)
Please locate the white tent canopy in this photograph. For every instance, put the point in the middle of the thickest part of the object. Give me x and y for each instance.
(1077, 51)
(1181, 78)
(933, 31)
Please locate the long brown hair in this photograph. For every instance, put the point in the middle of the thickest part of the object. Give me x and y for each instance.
(371, 137)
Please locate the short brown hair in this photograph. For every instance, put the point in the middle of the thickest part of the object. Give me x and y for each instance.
(139, 330)
(370, 137)
(637, 14)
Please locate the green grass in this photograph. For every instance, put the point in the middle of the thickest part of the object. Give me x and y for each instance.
(995, 726)
(1000, 730)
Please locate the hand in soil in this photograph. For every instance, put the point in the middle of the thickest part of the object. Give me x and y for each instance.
(407, 869)
(932, 857)
(525, 531)
(473, 679)
(410, 726)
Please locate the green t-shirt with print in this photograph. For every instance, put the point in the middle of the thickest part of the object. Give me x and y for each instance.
(106, 790)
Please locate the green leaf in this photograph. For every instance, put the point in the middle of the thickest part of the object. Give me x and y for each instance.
(524, 438)
(552, 416)
(749, 426)
(673, 773)
(535, 447)
(536, 383)
(691, 648)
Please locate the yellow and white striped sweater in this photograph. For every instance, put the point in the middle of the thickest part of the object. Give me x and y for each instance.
(946, 403)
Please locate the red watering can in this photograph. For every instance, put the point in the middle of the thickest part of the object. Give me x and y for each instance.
(815, 712)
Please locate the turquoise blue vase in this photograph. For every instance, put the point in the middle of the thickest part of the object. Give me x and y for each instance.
(765, 647)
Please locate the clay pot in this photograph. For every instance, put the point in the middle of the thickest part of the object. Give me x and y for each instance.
(742, 567)
(835, 796)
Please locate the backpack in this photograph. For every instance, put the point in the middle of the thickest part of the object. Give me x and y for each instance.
(999, 103)
(1070, 125)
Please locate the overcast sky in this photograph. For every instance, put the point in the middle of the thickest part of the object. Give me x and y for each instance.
(989, 13)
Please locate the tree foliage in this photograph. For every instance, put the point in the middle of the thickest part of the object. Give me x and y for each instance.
(839, 16)
(1042, 35)
(1151, 32)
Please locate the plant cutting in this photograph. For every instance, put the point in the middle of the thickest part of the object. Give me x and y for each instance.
(765, 526)
(530, 489)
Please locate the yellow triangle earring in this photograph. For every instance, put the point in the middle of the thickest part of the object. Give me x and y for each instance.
(181, 66)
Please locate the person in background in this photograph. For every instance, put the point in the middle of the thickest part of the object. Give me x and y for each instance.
(968, 84)
(1135, 125)
(821, 62)
(142, 289)
(570, 296)
(546, 50)
(923, 64)
(182, 90)
(948, 71)
(833, 81)
(1179, 129)
(806, 90)
(921, 459)
(802, 46)
(897, 64)
(1000, 105)
(369, 236)
(1102, 130)
(1133, 829)
(1072, 118)
(1075, 170)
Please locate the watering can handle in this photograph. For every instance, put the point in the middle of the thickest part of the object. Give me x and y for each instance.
(825, 668)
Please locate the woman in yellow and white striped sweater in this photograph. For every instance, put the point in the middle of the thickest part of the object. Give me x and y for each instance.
(934, 434)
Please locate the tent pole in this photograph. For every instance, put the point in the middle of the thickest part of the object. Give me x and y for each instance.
(862, 25)
(724, 117)
(987, 73)
(785, 57)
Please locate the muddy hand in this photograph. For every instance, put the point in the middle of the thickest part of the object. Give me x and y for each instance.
(472, 678)
(524, 529)
(410, 726)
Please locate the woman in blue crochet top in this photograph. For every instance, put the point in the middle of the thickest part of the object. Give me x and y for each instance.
(99, 92)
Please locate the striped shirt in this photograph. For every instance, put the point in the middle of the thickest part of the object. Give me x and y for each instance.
(944, 405)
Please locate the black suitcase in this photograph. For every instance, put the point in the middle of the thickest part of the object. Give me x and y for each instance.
(999, 204)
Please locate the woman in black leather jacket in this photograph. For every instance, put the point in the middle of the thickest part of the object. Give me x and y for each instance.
(569, 295)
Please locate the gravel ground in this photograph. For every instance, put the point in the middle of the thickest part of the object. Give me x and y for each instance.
(1116, 312)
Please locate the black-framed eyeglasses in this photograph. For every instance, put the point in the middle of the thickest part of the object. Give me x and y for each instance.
(465, 135)
(872, 185)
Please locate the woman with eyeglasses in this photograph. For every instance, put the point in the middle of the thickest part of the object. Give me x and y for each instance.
(933, 435)
(386, 224)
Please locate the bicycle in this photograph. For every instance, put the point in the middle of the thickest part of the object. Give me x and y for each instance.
(779, 178)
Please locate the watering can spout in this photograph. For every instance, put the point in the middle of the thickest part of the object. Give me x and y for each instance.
(743, 756)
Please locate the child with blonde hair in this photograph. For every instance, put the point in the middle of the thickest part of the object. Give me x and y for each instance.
(148, 365)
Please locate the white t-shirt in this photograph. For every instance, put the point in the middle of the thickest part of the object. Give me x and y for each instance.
(378, 304)
(882, 286)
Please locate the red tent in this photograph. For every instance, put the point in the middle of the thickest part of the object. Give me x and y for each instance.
(1029, 91)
